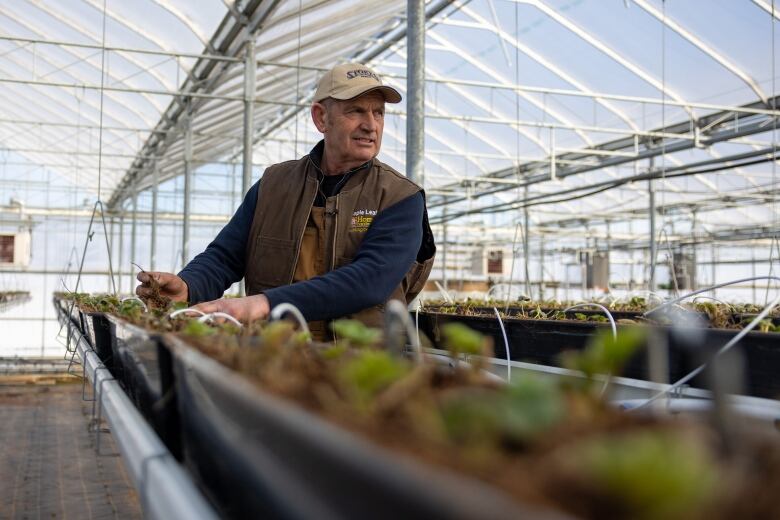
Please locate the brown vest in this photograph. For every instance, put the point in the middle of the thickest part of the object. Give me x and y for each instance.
(284, 205)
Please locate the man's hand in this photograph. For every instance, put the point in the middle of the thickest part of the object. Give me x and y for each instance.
(170, 285)
(247, 309)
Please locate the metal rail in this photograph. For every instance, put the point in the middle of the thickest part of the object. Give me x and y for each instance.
(164, 488)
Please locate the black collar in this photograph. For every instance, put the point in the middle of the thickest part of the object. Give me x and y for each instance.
(316, 159)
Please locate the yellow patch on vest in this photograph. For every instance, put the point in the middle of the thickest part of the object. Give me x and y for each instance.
(361, 220)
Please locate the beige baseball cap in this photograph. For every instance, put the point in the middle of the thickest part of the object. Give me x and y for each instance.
(350, 80)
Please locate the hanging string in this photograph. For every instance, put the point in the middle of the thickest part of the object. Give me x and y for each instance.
(517, 156)
(102, 92)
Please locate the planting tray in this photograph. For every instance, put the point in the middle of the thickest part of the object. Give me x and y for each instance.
(99, 336)
(143, 366)
(542, 342)
(257, 454)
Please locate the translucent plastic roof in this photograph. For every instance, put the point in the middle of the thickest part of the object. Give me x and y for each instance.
(537, 102)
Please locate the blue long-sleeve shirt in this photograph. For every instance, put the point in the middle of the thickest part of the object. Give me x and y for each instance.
(386, 253)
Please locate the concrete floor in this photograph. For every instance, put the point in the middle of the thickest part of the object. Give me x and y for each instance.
(49, 467)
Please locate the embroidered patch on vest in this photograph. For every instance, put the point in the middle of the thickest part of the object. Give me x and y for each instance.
(361, 220)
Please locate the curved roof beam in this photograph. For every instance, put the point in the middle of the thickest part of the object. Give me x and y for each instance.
(609, 51)
(140, 31)
(766, 6)
(709, 51)
(80, 29)
(68, 69)
(494, 74)
(186, 20)
(546, 63)
(81, 80)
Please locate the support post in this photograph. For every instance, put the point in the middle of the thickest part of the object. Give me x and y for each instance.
(415, 89)
(651, 210)
(444, 251)
(133, 236)
(121, 248)
(250, 75)
(111, 252)
(185, 234)
(153, 234)
(541, 267)
(526, 242)
(250, 78)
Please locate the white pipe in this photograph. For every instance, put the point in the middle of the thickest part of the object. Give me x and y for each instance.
(506, 347)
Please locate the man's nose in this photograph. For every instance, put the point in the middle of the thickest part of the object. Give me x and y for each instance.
(369, 122)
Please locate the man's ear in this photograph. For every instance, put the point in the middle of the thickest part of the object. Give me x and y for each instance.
(319, 115)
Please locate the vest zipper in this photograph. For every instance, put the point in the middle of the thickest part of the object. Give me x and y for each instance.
(335, 233)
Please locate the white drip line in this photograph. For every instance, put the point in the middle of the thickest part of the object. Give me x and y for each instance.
(280, 310)
(216, 315)
(400, 310)
(183, 311)
(506, 347)
(606, 311)
(725, 348)
(135, 299)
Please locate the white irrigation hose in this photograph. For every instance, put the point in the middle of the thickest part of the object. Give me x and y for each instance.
(182, 311)
(137, 299)
(210, 318)
(280, 310)
(725, 348)
(417, 321)
(400, 310)
(444, 292)
(713, 299)
(609, 314)
(710, 288)
(506, 347)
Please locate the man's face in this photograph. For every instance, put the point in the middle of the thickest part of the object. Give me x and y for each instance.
(352, 128)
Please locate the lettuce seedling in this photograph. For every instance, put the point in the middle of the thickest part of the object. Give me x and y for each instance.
(604, 353)
(460, 339)
(358, 334)
(197, 329)
(370, 372)
(647, 475)
(514, 414)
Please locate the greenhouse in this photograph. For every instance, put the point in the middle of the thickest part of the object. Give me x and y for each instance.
(388, 259)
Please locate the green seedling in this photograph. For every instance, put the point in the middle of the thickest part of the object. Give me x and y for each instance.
(538, 314)
(460, 339)
(197, 329)
(580, 316)
(598, 317)
(515, 414)
(647, 475)
(604, 353)
(356, 333)
(130, 310)
(369, 372)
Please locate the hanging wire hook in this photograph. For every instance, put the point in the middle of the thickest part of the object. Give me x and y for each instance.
(283, 308)
(399, 310)
(188, 309)
(609, 314)
(136, 299)
(210, 318)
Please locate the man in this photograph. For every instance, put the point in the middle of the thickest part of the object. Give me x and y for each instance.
(336, 233)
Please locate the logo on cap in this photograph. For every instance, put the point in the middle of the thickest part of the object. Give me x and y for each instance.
(362, 73)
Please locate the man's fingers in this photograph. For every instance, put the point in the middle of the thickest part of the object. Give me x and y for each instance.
(143, 291)
(208, 307)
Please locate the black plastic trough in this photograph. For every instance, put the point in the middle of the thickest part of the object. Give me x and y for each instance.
(143, 366)
(542, 342)
(257, 455)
